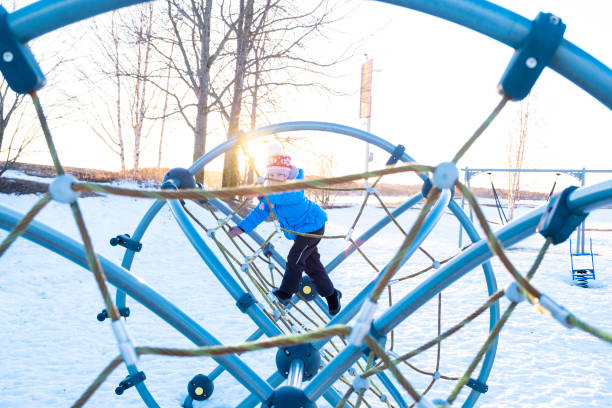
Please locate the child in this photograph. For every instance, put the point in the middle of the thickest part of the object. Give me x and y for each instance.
(296, 213)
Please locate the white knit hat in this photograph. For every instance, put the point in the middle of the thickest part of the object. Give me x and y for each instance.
(277, 160)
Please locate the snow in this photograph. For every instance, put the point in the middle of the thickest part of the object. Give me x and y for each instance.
(53, 347)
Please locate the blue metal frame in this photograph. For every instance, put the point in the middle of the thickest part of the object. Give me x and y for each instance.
(45, 16)
(140, 291)
(339, 129)
(390, 148)
(585, 198)
(512, 29)
(487, 18)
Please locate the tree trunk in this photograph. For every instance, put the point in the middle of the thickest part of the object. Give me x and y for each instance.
(199, 142)
(231, 173)
(118, 102)
(516, 157)
(141, 81)
(164, 111)
(201, 125)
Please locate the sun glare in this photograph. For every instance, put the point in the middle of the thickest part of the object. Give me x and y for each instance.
(258, 149)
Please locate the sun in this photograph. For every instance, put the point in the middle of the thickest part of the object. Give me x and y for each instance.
(258, 150)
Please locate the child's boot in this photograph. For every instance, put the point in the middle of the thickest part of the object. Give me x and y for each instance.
(333, 302)
(283, 297)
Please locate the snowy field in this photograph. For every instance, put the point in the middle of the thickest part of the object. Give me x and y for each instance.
(52, 346)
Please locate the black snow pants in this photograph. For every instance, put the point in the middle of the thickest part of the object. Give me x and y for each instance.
(303, 256)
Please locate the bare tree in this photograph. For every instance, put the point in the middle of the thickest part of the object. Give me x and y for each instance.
(270, 52)
(325, 164)
(211, 58)
(107, 125)
(516, 155)
(139, 34)
(188, 87)
(18, 127)
(164, 111)
(125, 62)
(242, 30)
(15, 132)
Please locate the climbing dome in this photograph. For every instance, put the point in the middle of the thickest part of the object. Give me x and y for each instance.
(364, 355)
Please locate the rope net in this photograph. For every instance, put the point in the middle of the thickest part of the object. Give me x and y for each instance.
(301, 322)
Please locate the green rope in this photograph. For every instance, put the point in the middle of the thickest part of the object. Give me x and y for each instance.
(431, 383)
(363, 254)
(92, 260)
(362, 391)
(439, 330)
(485, 347)
(422, 271)
(278, 341)
(390, 297)
(498, 326)
(97, 382)
(375, 347)
(359, 398)
(531, 293)
(260, 285)
(481, 129)
(492, 299)
(363, 204)
(245, 202)
(383, 281)
(45, 128)
(390, 216)
(601, 334)
(345, 397)
(94, 263)
(23, 224)
(199, 194)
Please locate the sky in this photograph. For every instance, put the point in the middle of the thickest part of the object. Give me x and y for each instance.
(434, 83)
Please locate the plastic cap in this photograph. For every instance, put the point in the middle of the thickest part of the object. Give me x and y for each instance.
(445, 175)
(61, 189)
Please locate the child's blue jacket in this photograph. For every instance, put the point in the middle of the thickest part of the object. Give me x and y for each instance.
(294, 211)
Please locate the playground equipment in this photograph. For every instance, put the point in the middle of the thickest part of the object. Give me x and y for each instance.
(581, 272)
(539, 43)
(578, 174)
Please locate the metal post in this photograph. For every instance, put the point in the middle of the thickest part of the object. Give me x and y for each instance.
(466, 178)
(367, 152)
(582, 226)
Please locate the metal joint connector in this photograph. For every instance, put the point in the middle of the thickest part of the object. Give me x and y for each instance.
(360, 383)
(556, 310)
(124, 341)
(347, 237)
(363, 323)
(514, 294)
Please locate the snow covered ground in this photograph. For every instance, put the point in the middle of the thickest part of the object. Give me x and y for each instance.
(52, 346)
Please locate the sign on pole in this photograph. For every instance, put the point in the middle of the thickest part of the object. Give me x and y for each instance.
(365, 96)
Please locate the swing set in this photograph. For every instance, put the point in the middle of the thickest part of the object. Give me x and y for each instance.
(580, 274)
